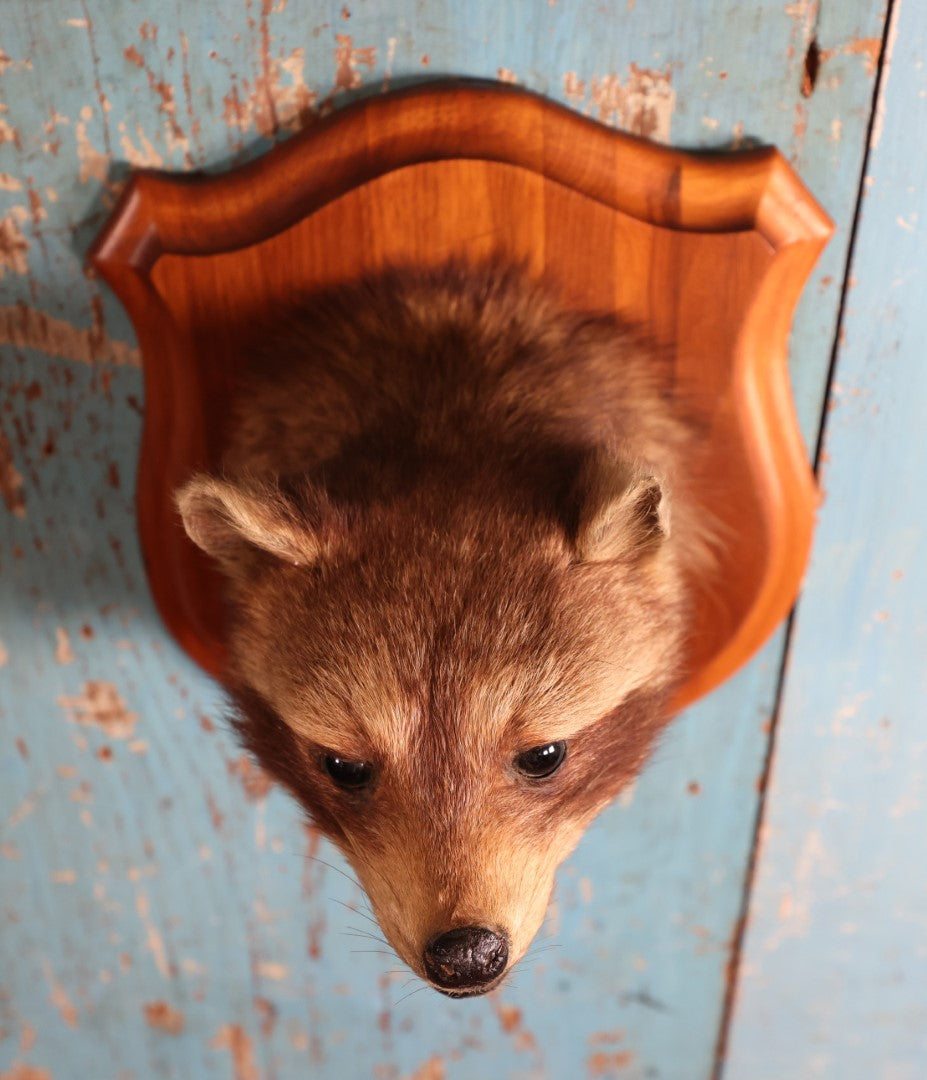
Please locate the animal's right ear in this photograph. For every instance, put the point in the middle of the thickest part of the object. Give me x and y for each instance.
(624, 512)
(232, 521)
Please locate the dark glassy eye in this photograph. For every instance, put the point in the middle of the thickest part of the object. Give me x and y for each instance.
(541, 761)
(347, 774)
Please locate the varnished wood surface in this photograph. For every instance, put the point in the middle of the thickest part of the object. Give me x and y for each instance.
(708, 254)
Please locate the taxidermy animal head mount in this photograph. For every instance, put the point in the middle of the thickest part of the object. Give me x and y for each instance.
(477, 417)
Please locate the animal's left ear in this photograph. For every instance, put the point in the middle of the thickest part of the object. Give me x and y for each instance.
(624, 512)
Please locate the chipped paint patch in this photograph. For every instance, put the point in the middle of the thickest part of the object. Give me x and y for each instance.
(22, 1071)
(254, 780)
(9, 182)
(100, 704)
(14, 245)
(349, 59)
(143, 156)
(232, 1037)
(869, 48)
(153, 939)
(268, 970)
(4, 655)
(511, 1021)
(94, 164)
(432, 1069)
(878, 119)
(603, 1064)
(160, 1015)
(25, 808)
(26, 327)
(641, 104)
(64, 654)
(271, 103)
(59, 997)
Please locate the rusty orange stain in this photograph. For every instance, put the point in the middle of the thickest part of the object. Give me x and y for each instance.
(348, 59)
(601, 1063)
(22, 1071)
(432, 1069)
(134, 56)
(254, 780)
(27, 1038)
(64, 654)
(510, 1018)
(21, 744)
(269, 970)
(105, 105)
(100, 704)
(8, 133)
(14, 245)
(25, 808)
(603, 1038)
(160, 1015)
(215, 814)
(59, 997)
(12, 490)
(153, 940)
(267, 1011)
(232, 1037)
(83, 793)
(314, 936)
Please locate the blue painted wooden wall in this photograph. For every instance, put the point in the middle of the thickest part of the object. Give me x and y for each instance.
(163, 913)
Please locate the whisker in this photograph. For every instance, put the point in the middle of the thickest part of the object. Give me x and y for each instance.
(364, 930)
(377, 952)
(538, 949)
(405, 997)
(337, 869)
(365, 937)
(355, 911)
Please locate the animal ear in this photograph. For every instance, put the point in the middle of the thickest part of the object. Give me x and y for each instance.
(624, 512)
(232, 520)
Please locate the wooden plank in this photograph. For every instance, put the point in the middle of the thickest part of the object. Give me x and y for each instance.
(834, 972)
(173, 893)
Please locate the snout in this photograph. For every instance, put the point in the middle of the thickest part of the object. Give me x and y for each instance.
(466, 960)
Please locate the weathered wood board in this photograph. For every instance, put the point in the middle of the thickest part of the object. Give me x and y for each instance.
(834, 973)
(158, 914)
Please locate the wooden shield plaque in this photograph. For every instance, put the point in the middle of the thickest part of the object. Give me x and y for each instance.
(708, 252)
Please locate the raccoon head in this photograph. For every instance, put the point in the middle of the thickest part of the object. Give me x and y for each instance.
(452, 695)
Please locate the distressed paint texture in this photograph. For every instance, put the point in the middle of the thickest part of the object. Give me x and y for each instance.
(834, 976)
(162, 909)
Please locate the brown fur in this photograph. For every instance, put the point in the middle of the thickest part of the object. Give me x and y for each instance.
(454, 523)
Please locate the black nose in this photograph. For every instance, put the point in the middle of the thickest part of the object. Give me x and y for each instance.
(466, 958)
